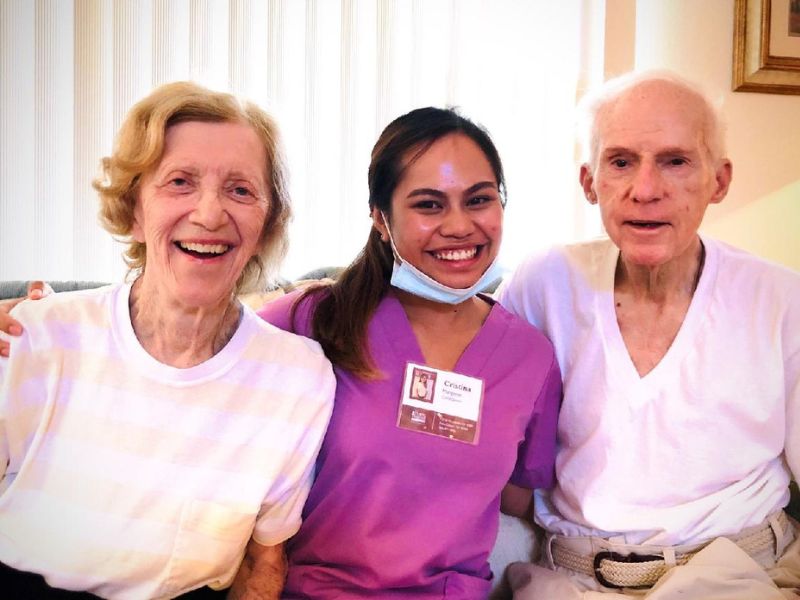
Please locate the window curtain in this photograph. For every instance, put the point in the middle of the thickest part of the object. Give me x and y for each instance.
(332, 72)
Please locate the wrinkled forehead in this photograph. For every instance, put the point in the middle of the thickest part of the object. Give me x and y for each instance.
(655, 112)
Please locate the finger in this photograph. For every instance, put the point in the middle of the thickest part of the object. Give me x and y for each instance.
(4, 346)
(38, 289)
(8, 324)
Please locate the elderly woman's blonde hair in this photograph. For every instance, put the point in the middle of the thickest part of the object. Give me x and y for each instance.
(140, 145)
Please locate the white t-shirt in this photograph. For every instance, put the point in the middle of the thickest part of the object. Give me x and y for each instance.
(129, 478)
(699, 446)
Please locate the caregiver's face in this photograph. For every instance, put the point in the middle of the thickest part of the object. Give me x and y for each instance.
(446, 214)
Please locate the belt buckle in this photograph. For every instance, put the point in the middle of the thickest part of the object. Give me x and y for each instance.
(623, 558)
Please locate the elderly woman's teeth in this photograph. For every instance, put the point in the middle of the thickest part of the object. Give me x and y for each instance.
(204, 248)
(463, 254)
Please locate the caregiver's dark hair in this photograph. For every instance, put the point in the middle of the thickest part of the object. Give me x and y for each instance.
(346, 306)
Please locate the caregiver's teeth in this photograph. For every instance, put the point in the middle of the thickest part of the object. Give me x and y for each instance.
(464, 254)
(204, 248)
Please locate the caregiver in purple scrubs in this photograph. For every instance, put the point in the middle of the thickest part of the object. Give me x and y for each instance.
(406, 498)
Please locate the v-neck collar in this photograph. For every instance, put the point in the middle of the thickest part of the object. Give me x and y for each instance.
(397, 333)
(620, 357)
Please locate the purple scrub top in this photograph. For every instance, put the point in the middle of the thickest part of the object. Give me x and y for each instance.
(395, 513)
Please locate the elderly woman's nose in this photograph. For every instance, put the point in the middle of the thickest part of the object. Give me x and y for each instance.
(647, 184)
(210, 209)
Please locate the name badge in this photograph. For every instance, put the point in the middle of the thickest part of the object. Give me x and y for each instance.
(441, 403)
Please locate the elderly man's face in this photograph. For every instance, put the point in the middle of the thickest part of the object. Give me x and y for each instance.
(654, 177)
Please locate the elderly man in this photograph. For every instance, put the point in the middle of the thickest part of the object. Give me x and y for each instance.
(680, 427)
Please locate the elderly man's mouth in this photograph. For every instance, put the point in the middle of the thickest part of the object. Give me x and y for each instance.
(646, 225)
(202, 250)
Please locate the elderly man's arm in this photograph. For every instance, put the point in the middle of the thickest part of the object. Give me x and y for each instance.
(261, 574)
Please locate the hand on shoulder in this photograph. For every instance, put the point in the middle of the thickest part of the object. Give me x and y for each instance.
(8, 324)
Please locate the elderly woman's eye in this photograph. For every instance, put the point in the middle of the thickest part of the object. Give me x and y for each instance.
(180, 183)
(242, 193)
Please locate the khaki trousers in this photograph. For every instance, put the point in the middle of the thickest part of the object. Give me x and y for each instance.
(720, 571)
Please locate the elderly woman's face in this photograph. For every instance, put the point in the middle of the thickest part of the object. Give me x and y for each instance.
(201, 210)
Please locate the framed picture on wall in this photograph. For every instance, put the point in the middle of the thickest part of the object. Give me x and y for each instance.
(766, 46)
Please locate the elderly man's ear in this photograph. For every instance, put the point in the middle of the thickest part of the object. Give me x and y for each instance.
(722, 176)
(587, 179)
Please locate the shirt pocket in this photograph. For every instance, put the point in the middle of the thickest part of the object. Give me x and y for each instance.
(209, 546)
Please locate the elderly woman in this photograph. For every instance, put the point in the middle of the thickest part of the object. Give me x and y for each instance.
(680, 428)
(149, 430)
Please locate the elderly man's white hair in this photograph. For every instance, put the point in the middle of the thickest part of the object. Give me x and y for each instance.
(596, 102)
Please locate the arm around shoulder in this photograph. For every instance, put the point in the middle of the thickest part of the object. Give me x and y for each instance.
(262, 573)
(9, 326)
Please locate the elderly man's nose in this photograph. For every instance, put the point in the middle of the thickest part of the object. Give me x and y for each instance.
(647, 183)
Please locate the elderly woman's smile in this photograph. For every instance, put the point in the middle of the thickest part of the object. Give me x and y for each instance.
(201, 211)
(201, 250)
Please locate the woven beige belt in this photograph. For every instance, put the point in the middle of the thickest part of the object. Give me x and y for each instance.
(615, 570)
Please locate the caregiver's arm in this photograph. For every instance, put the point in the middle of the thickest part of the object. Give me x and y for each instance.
(8, 324)
(516, 501)
(261, 574)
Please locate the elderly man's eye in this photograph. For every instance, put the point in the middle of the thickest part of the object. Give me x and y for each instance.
(620, 163)
(677, 161)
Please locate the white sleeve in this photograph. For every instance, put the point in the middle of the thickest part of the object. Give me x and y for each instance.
(4, 450)
(522, 292)
(281, 514)
(24, 383)
(13, 383)
(791, 373)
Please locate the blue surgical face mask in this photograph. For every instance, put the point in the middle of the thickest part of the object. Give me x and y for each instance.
(408, 278)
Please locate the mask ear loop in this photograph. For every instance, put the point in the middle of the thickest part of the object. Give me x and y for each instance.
(395, 253)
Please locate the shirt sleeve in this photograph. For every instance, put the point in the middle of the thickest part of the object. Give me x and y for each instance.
(4, 394)
(281, 513)
(23, 394)
(791, 370)
(520, 294)
(535, 466)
